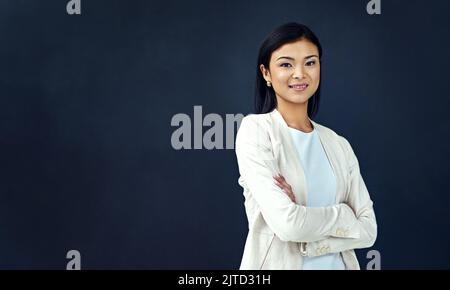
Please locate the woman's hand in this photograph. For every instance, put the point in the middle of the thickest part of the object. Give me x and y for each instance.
(281, 182)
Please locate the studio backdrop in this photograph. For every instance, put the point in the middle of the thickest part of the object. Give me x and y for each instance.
(118, 121)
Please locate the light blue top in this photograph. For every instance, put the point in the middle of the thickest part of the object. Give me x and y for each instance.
(321, 189)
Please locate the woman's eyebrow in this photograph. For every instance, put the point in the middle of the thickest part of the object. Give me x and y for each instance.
(291, 58)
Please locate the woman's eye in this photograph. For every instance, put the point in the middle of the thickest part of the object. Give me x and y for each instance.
(311, 63)
(285, 64)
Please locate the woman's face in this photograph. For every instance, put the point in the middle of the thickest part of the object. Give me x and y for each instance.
(294, 71)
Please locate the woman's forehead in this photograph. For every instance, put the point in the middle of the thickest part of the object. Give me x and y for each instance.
(297, 50)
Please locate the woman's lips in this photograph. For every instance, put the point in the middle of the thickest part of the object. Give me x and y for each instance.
(300, 87)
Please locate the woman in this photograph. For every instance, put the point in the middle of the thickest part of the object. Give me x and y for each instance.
(305, 199)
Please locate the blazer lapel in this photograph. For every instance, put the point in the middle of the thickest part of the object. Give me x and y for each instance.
(293, 163)
(327, 144)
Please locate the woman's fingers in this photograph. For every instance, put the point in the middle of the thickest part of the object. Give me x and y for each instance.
(285, 182)
(282, 181)
(286, 187)
(291, 196)
(281, 184)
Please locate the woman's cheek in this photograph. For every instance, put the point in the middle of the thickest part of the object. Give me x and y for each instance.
(283, 76)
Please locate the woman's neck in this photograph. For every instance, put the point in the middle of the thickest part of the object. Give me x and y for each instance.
(296, 116)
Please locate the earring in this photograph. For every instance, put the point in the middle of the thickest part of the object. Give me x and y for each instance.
(269, 84)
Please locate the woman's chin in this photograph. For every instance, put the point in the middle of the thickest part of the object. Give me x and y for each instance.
(298, 99)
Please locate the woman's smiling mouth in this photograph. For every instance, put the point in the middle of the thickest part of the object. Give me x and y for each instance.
(299, 87)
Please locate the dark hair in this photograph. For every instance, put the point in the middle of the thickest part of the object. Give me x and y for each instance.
(265, 99)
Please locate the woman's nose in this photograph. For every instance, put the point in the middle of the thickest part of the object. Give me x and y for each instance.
(298, 73)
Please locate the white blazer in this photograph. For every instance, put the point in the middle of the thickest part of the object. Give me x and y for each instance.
(281, 231)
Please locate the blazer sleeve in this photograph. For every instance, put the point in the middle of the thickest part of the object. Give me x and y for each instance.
(288, 220)
(358, 199)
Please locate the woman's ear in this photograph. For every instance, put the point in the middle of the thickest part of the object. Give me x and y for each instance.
(265, 72)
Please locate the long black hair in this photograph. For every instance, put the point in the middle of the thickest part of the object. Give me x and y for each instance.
(265, 99)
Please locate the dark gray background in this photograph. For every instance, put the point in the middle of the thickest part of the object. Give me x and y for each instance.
(86, 103)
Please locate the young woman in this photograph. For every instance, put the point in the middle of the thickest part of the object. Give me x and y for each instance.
(305, 199)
